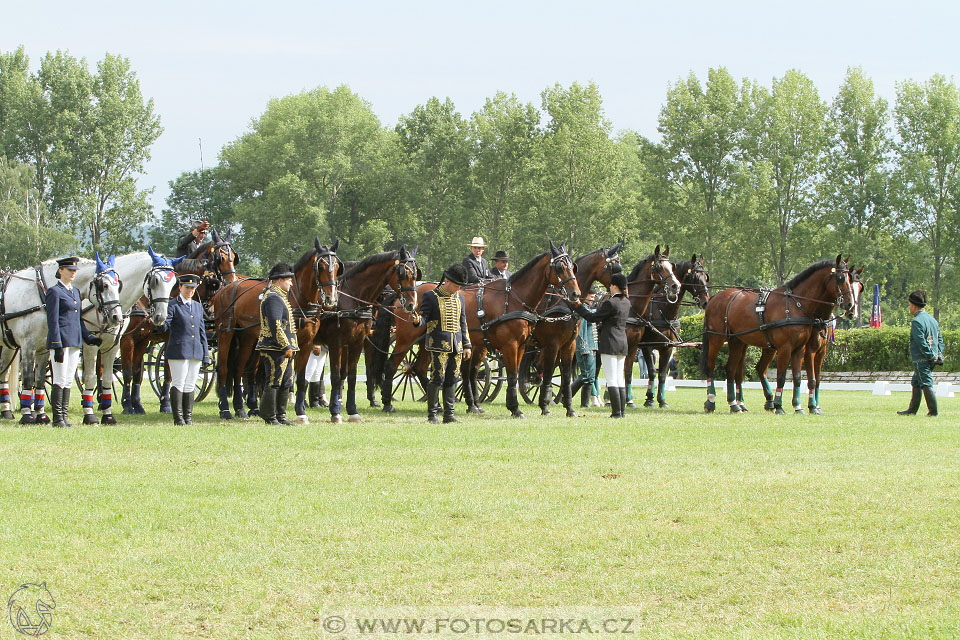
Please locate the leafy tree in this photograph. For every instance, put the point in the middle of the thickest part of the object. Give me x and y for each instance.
(26, 240)
(196, 195)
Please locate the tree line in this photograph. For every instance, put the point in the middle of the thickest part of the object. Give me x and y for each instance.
(762, 179)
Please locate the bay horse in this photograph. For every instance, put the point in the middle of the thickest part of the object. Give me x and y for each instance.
(815, 352)
(345, 331)
(782, 320)
(23, 326)
(509, 317)
(237, 319)
(556, 332)
(659, 329)
(216, 262)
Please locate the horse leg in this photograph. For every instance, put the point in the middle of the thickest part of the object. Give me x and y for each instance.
(511, 359)
(665, 354)
(126, 357)
(783, 361)
(106, 385)
(40, 390)
(243, 377)
(547, 363)
(165, 389)
(817, 368)
(712, 344)
(735, 357)
(27, 358)
(336, 382)
(386, 385)
(796, 362)
(353, 414)
(566, 378)
(371, 383)
(227, 348)
(9, 370)
(89, 384)
(766, 357)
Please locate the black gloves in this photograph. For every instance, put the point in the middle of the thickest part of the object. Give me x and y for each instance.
(58, 355)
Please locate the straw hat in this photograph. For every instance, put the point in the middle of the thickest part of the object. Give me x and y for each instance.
(478, 242)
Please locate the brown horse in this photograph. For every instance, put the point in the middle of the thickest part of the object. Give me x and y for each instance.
(237, 318)
(509, 317)
(216, 262)
(556, 332)
(344, 331)
(814, 353)
(659, 329)
(782, 320)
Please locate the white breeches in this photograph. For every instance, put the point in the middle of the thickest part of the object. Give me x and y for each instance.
(314, 371)
(184, 374)
(613, 369)
(63, 372)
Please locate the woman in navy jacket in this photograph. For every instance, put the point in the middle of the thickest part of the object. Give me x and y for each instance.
(186, 347)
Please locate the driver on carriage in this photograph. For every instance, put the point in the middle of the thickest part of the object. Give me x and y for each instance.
(475, 264)
(191, 241)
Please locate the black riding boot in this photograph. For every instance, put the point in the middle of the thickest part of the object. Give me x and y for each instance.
(268, 405)
(432, 405)
(614, 394)
(914, 404)
(187, 400)
(65, 406)
(623, 401)
(323, 395)
(314, 393)
(56, 399)
(283, 395)
(176, 405)
(449, 401)
(584, 396)
(931, 397)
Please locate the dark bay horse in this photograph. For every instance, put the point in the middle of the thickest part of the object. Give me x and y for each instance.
(814, 353)
(783, 320)
(237, 318)
(216, 263)
(344, 331)
(556, 332)
(509, 316)
(659, 328)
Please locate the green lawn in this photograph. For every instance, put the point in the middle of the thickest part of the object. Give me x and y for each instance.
(741, 526)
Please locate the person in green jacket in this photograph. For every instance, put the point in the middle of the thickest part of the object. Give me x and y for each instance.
(587, 359)
(926, 351)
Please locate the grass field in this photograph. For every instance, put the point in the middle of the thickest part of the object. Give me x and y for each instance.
(845, 525)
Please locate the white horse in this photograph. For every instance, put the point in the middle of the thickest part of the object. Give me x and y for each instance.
(24, 312)
(156, 279)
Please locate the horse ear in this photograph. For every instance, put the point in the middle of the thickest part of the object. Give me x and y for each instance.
(656, 251)
(177, 261)
(694, 259)
(419, 274)
(860, 270)
(100, 265)
(215, 236)
(553, 248)
(666, 252)
(112, 260)
(317, 245)
(847, 260)
(839, 259)
(150, 251)
(413, 252)
(335, 245)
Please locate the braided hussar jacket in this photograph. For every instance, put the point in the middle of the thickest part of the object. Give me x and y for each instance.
(277, 332)
(446, 319)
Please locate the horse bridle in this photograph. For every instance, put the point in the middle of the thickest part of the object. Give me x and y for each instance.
(698, 270)
(217, 259)
(97, 285)
(657, 267)
(156, 270)
(332, 260)
(841, 274)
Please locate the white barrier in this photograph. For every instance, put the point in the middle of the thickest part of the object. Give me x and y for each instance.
(881, 388)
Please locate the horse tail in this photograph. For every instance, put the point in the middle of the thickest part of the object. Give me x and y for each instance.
(705, 349)
(381, 343)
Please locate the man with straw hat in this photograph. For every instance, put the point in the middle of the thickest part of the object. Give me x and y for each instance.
(475, 264)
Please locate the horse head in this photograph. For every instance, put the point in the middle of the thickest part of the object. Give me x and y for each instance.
(158, 284)
(695, 281)
(327, 269)
(104, 292)
(223, 258)
(404, 278)
(661, 272)
(841, 286)
(563, 272)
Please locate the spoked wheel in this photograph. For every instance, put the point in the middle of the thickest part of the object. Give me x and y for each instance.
(157, 360)
(152, 363)
(498, 375)
(208, 376)
(531, 377)
(406, 384)
(114, 381)
(484, 379)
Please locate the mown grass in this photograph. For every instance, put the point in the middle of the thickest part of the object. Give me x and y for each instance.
(742, 526)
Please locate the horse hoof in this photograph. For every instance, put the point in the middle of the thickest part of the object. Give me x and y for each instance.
(226, 415)
(664, 405)
(254, 413)
(708, 406)
(648, 404)
(128, 411)
(798, 411)
(166, 410)
(571, 413)
(139, 410)
(89, 418)
(779, 411)
(27, 420)
(375, 404)
(242, 415)
(743, 407)
(475, 409)
(519, 415)
(6, 414)
(632, 404)
(336, 419)
(769, 407)
(544, 411)
(815, 411)
(354, 418)
(108, 419)
(734, 408)
(389, 408)
(303, 419)
(324, 404)
(42, 419)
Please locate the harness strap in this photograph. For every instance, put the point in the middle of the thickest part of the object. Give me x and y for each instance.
(511, 315)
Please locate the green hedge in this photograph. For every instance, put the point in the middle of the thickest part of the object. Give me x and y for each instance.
(885, 349)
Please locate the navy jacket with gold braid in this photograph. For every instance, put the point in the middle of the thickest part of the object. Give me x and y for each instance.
(446, 320)
(276, 322)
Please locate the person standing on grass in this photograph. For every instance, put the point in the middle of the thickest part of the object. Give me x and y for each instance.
(612, 317)
(277, 345)
(186, 347)
(587, 359)
(926, 351)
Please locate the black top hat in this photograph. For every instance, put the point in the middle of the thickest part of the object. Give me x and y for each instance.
(918, 297)
(619, 280)
(70, 262)
(456, 274)
(501, 255)
(189, 280)
(280, 270)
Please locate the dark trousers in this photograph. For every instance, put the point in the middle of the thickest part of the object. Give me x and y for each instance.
(279, 370)
(444, 367)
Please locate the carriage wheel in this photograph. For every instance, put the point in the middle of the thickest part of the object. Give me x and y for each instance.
(152, 362)
(117, 374)
(498, 374)
(208, 376)
(531, 377)
(406, 384)
(484, 378)
(157, 373)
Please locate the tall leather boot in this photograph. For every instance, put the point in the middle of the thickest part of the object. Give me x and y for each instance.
(283, 395)
(176, 405)
(914, 404)
(268, 405)
(314, 394)
(614, 394)
(56, 399)
(187, 400)
(584, 396)
(323, 394)
(432, 405)
(623, 401)
(449, 402)
(931, 397)
(65, 406)
(576, 386)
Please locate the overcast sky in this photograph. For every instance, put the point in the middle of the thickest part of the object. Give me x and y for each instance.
(211, 67)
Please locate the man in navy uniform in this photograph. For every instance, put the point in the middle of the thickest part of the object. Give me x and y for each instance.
(926, 351)
(277, 344)
(186, 347)
(447, 340)
(501, 264)
(475, 264)
(65, 330)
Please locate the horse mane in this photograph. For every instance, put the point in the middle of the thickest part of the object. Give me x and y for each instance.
(369, 261)
(809, 271)
(584, 256)
(304, 259)
(637, 269)
(525, 268)
(199, 250)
